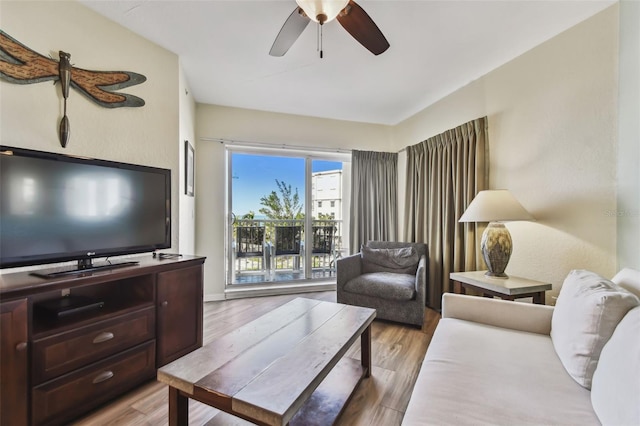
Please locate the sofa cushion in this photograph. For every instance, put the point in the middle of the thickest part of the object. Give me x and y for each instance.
(588, 309)
(476, 374)
(629, 279)
(615, 391)
(399, 260)
(385, 285)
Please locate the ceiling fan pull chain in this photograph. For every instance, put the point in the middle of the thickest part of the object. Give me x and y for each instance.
(320, 41)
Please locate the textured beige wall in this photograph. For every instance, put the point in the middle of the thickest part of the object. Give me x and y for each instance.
(276, 128)
(187, 212)
(552, 135)
(29, 114)
(628, 208)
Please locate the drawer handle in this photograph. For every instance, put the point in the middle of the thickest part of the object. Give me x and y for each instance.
(21, 346)
(103, 337)
(105, 375)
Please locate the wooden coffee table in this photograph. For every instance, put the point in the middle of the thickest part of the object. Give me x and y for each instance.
(284, 367)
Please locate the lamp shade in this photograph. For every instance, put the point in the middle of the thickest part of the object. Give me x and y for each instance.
(496, 205)
(322, 10)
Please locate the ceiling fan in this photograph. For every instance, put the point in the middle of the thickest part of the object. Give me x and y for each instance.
(348, 13)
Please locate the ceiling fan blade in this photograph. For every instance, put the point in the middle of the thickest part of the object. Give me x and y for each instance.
(289, 33)
(355, 20)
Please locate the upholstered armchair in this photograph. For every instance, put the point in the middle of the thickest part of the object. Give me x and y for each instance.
(390, 277)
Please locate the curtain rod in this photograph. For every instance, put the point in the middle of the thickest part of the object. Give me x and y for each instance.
(275, 145)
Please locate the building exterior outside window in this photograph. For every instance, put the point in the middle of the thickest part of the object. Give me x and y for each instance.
(327, 186)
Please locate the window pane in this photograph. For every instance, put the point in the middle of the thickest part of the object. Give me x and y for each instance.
(259, 176)
(274, 235)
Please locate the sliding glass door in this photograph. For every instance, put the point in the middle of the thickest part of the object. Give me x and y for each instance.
(286, 215)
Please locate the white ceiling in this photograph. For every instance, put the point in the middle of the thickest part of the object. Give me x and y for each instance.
(436, 48)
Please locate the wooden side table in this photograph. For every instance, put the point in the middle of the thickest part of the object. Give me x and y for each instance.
(506, 288)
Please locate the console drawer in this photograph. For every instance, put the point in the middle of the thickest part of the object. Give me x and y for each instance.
(65, 352)
(73, 394)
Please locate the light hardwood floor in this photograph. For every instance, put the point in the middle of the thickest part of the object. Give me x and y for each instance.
(398, 351)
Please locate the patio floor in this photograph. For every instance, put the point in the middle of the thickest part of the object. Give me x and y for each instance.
(281, 276)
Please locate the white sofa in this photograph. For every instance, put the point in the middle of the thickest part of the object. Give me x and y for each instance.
(497, 362)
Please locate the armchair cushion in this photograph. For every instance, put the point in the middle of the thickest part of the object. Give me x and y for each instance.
(396, 260)
(385, 285)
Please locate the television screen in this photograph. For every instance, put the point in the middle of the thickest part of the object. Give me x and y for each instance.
(56, 208)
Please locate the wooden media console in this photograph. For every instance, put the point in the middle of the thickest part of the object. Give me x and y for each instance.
(63, 357)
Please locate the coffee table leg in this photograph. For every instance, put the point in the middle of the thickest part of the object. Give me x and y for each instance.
(178, 408)
(365, 350)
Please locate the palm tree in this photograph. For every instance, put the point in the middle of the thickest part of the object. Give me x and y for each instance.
(287, 205)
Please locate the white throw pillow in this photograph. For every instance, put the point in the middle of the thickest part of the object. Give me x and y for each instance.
(615, 391)
(588, 309)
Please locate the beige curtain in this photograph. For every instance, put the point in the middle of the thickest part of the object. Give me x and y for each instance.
(374, 197)
(444, 173)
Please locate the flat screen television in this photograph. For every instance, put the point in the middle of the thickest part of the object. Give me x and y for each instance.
(58, 208)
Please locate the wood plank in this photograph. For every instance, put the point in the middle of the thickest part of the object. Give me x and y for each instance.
(323, 407)
(244, 368)
(226, 419)
(302, 369)
(191, 368)
(367, 398)
(328, 401)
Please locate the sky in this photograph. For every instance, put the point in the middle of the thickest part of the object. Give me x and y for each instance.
(254, 176)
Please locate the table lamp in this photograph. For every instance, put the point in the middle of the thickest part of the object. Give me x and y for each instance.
(495, 206)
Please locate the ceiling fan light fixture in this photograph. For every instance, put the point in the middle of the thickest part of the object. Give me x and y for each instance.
(322, 11)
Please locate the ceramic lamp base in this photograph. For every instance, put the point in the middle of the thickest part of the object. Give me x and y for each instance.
(496, 249)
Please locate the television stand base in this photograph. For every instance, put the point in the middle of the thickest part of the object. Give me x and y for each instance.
(75, 270)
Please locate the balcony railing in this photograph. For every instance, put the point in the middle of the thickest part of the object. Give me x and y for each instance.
(274, 250)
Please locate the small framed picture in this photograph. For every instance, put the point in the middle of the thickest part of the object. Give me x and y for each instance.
(189, 166)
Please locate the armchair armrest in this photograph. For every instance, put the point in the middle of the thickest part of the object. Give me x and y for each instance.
(500, 313)
(421, 281)
(348, 268)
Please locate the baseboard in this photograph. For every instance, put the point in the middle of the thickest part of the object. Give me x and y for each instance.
(214, 297)
(241, 291)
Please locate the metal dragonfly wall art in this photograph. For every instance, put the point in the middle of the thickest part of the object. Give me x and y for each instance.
(21, 65)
